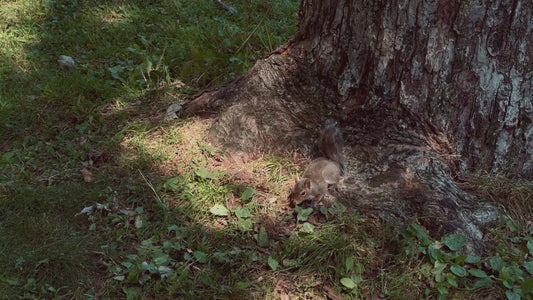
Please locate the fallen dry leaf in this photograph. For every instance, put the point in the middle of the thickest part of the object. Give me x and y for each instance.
(281, 290)
(87, 175)
(332, 294)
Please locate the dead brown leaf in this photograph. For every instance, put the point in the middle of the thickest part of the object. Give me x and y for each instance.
(87, 175)
(282, 291)
(332, 294)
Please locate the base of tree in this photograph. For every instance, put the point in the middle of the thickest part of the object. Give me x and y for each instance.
(398, 167)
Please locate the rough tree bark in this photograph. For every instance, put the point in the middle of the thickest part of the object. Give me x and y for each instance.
(425, 92)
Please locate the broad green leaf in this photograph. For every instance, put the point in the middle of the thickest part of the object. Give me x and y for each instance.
(163, 260)
(455, 242)
(166, 272)
(417, 231)
(242, 212)
(511, 274)
(513, 226)
(472, 259)
(360, 268)
(262, 237)
(512, 295)
(290, 262)
(438, 271)
(324, 210)
(219, 210)
(204, 174)
(247, 194)
(200, 257)
(458, 270)
(221, 257)
(132, 292)
(308, 227)
(304, 214)
(273, 263)
(460, 259)
(348, 282)
(337, 208)
(245, 224)
(478, 273)
(452, 280)
(148, 267)
(530, 246)
(506, 277)
(170, 246)
(482, 282)
(529, 267)
(496, 263)
(349, 265)
(432, 252)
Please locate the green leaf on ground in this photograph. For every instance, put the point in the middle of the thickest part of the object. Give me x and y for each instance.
(455, 242)
(273, 263)
(303, 214)
(200, 256)
(262, 237)
(458, 270)
(219, 210)
(308, 227)
(204, 174)
(242, 212)
(348, 283)
(247, 194)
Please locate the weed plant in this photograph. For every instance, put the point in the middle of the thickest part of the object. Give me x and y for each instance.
(102, 199)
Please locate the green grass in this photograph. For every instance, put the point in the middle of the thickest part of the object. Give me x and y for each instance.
(180, 218)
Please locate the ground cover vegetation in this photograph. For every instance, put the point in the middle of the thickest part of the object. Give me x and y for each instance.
(101, 198)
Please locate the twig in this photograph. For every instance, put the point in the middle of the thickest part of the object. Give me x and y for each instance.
(152, 187)
(226, 7)
(253, 31)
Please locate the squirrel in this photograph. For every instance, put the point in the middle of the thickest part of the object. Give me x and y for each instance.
(322, 173)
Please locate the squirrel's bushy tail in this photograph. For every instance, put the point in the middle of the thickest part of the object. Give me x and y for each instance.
(331, 145)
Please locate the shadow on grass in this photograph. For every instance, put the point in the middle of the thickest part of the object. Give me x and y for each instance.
(56, 123)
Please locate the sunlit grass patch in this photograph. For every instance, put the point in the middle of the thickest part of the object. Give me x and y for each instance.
(18, 30)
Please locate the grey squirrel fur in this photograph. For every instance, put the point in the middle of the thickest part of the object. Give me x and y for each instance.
(322, 173)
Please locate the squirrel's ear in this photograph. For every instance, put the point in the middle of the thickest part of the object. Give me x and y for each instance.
(295, 180)
(307, 183)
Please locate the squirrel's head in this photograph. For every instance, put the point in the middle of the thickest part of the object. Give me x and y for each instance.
(300, 191)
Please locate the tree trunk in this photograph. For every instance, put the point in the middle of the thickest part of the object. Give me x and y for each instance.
(426, 92)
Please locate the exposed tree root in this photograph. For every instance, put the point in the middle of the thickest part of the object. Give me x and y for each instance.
(398, 168)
